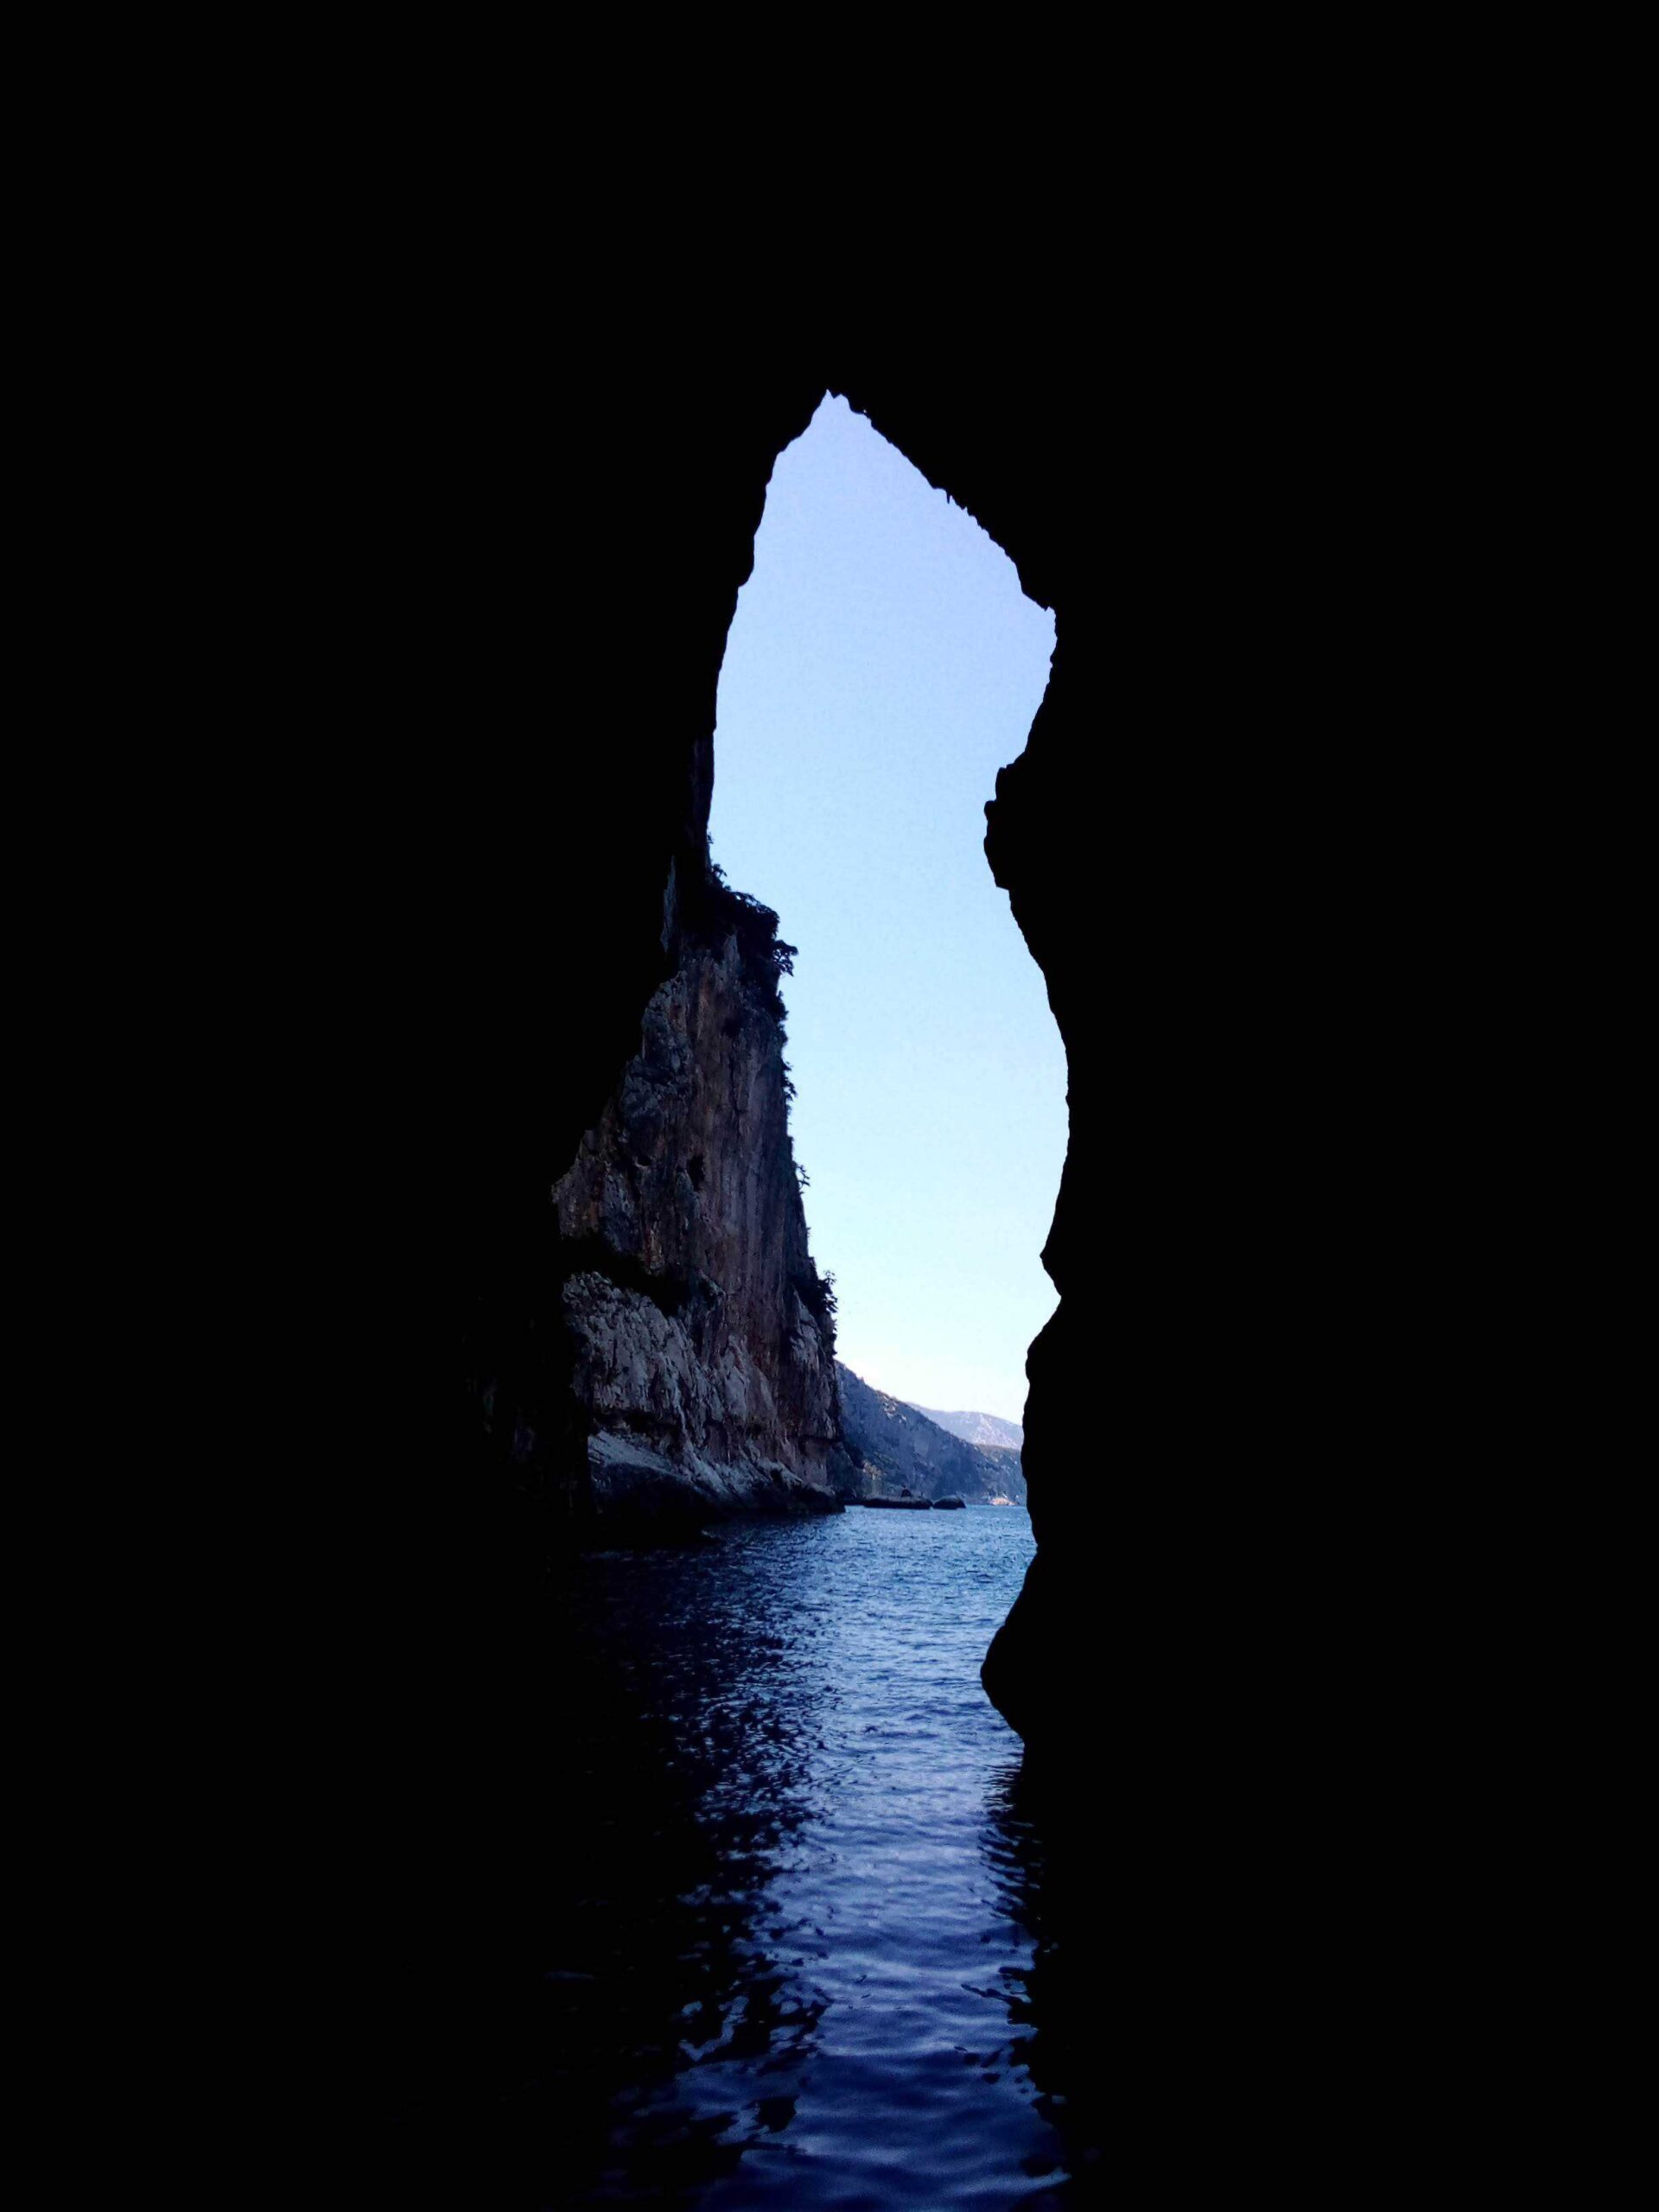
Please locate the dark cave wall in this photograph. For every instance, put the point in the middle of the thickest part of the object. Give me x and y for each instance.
(592, 634)
(1190, 841)
(565, 915)
(1153, 842)
(1218, 843)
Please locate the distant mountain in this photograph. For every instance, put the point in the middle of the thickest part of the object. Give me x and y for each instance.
(978, 1429)
(896, 1447)
(1008, 1469)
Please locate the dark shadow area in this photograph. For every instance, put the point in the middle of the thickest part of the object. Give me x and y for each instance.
(1240, 844)
(1059, 2000)
(679, 1786)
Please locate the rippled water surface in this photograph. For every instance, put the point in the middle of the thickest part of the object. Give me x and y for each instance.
(800, 1949)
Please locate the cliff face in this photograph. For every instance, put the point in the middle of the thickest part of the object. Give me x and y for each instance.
(896, 1447)
(702, 1335)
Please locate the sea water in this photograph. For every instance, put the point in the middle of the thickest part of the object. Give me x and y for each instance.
(796, 1956)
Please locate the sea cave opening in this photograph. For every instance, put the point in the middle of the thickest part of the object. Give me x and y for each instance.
(810, 1957)
(882, 664)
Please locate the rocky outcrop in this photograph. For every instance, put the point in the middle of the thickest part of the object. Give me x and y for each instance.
(701, 1333)
(895, 1447)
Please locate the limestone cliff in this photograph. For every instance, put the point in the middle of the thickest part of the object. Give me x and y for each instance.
(703, 1335)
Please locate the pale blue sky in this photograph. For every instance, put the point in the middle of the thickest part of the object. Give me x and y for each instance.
(883, 665)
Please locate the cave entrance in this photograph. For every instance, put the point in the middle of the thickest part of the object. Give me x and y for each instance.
(882, 665)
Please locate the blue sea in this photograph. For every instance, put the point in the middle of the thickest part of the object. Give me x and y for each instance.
(800, 1949)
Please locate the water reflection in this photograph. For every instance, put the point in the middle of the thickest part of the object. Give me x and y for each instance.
(694, 1697)
(1044, 1849)
(798, 1949)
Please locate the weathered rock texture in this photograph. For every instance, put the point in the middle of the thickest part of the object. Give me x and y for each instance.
(895, 1447)
(701, 1333)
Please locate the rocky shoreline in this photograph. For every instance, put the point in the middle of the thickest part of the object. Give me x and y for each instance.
(639, 1492)
(911, 1504)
